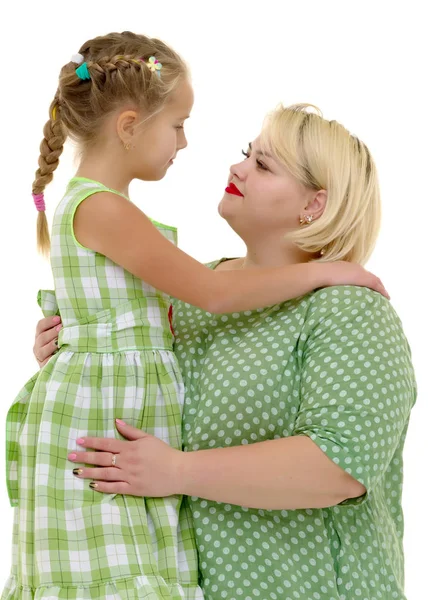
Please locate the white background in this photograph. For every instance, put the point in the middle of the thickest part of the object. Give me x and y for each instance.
(363, 63)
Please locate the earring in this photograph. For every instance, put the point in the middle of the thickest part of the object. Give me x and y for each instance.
(127, 146)
(307, 219)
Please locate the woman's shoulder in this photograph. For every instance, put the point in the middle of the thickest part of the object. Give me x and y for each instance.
(348, 297)
(353, 309)
(353, 323)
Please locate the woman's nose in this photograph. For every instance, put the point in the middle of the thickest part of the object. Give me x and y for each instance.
(238, 170)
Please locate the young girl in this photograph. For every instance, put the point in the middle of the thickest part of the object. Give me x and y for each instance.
(124, 99)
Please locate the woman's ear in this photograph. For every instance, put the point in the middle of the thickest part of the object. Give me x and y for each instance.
(317, 204)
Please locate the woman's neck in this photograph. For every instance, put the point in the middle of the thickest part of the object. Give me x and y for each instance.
(273, 253)
(266, 255)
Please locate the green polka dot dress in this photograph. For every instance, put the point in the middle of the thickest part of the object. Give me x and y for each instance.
(115, 360)
(334, 366)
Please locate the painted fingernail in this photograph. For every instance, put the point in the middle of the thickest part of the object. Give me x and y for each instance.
(56, 319)
(72, 456)
(120, 422)
(77, 471)
(93, 485)
(59, 328)
(80, 441)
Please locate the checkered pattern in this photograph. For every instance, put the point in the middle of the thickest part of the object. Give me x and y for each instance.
(115, 360)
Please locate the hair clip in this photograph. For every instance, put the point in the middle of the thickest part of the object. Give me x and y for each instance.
(77, 58)
(82, 72)
(154, 65)
(39, 201)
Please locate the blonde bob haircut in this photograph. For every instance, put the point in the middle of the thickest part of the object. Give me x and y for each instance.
(323, 155)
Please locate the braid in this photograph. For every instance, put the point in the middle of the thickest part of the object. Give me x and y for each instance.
(108, 65)
(50, 150)
(125, 72)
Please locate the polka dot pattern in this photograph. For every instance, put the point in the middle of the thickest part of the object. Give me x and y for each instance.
(334, 366)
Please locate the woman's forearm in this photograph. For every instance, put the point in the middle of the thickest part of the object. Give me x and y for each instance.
(288, 473)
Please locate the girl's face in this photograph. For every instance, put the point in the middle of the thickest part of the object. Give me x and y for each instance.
(262, 196)
(156, 143)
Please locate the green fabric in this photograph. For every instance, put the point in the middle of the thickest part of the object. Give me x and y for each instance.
(334, 366)
(115, 360)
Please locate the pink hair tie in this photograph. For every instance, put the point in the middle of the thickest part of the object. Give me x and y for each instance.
(39, 201)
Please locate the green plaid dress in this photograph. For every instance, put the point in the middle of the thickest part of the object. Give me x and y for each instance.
(115, 360)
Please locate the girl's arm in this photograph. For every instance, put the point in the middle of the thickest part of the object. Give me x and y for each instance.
(113, 226)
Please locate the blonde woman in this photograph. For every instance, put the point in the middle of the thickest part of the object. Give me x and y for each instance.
(295, 415)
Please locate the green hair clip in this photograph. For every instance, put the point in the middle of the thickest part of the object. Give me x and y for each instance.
(82, 72)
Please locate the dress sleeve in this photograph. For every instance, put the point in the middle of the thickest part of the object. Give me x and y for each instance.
(47, 301)
(357, 381)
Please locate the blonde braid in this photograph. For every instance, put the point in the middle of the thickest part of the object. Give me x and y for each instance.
(50, 150)
(126, 72)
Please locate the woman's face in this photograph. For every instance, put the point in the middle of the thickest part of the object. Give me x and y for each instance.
(262, 197)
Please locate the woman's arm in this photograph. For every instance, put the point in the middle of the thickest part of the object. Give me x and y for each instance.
(287, 473)
(354, 409)
(46, 340)
(279, 474)
(113, 226)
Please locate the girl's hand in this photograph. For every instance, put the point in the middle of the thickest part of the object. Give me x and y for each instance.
(346, 273)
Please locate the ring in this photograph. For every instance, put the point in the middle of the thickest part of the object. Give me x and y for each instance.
(113, 460)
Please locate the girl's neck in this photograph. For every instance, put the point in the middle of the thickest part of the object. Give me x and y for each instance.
(107, 169)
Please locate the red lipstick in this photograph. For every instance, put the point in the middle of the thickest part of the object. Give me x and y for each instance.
(232, 189)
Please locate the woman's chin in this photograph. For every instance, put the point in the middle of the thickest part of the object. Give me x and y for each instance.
(225, 210)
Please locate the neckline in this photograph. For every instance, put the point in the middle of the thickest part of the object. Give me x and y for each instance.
(101, 184)
(216, 263)
(158, 223)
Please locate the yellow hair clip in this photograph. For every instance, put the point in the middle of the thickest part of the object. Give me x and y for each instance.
(154, 65)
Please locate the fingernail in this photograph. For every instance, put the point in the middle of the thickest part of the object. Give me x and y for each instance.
(59, 328)
(56, 319)
(77, 471)
(93, 485)
(80, 441)
(120, 422)
(72, 456)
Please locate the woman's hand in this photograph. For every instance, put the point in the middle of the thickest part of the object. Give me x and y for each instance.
(46, 342)
(145, 466)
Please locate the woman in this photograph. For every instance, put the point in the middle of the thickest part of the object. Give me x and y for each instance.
(295, 415)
